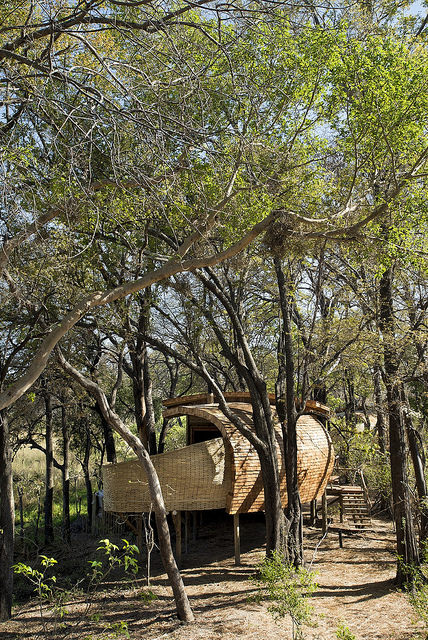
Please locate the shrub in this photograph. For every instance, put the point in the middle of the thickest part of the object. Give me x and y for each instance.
(288, 589)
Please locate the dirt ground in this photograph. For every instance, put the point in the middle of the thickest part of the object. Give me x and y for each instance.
(355, 588)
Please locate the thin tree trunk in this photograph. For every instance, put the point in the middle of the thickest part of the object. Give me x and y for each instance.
(183, 607)
(110, 446)
(274, 514)
(7, 521)
(407, 548)
(149, 418)
(65, 470)
(49, 484)
(143, 383)
(88, 484)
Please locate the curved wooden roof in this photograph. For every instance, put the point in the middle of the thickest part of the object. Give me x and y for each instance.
(311, 406)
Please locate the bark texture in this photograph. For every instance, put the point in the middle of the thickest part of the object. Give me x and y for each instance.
(49, 481)
(407, 548)
(287, 414)
(7, 521)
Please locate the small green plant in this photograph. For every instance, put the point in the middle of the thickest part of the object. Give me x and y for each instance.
(115, 557)
(43, 588)
(418, 598)
(38, 578)
(343, 633)
(147, 596)
(288, 589)
(47, 590)
(417, 591)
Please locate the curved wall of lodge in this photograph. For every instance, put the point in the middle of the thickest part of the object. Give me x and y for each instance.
(222, 472)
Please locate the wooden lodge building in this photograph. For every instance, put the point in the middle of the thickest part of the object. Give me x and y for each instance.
(219, 468)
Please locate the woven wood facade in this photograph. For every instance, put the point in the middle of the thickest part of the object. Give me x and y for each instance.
(220, 473)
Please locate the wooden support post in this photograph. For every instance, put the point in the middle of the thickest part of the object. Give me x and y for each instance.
(340, 538)
(140, 537)
(94, 514)
(324, 512)
(194, 525)
(177, 524)
(341, 508)
(186, 531)
(313, 516)
(237, 539)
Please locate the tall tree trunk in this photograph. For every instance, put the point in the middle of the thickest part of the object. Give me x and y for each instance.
(49, 484)
(183, 607)
(287, 414)
(65, 471)
(407, 548)
(418, 460)
(7, 520)
(380, 421)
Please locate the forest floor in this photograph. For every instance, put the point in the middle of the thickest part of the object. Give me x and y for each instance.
(355, 589)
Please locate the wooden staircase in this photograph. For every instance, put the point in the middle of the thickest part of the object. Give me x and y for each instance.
(355, 509)
(354, 505)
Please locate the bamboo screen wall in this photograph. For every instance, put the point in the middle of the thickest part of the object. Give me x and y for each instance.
(196, 477)
(219, 473)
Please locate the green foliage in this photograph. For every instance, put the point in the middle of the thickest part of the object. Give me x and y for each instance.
(115, 557)
(176, 436)
(147, 596)
(359, 451)
(288, 589)
(41, 582)
(343, 633)
(417, 593)
(47, 590)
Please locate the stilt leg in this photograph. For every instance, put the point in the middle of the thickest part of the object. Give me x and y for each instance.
(324, 512)
(237, 539)
(177, 524)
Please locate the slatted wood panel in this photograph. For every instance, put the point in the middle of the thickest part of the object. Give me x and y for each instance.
(315, 457)
(188, 475)
(196, 477)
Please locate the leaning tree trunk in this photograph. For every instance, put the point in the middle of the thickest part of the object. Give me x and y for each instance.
(7, 521)
(49, 484)
(407, 548)
(287, 414)
(182, 603)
